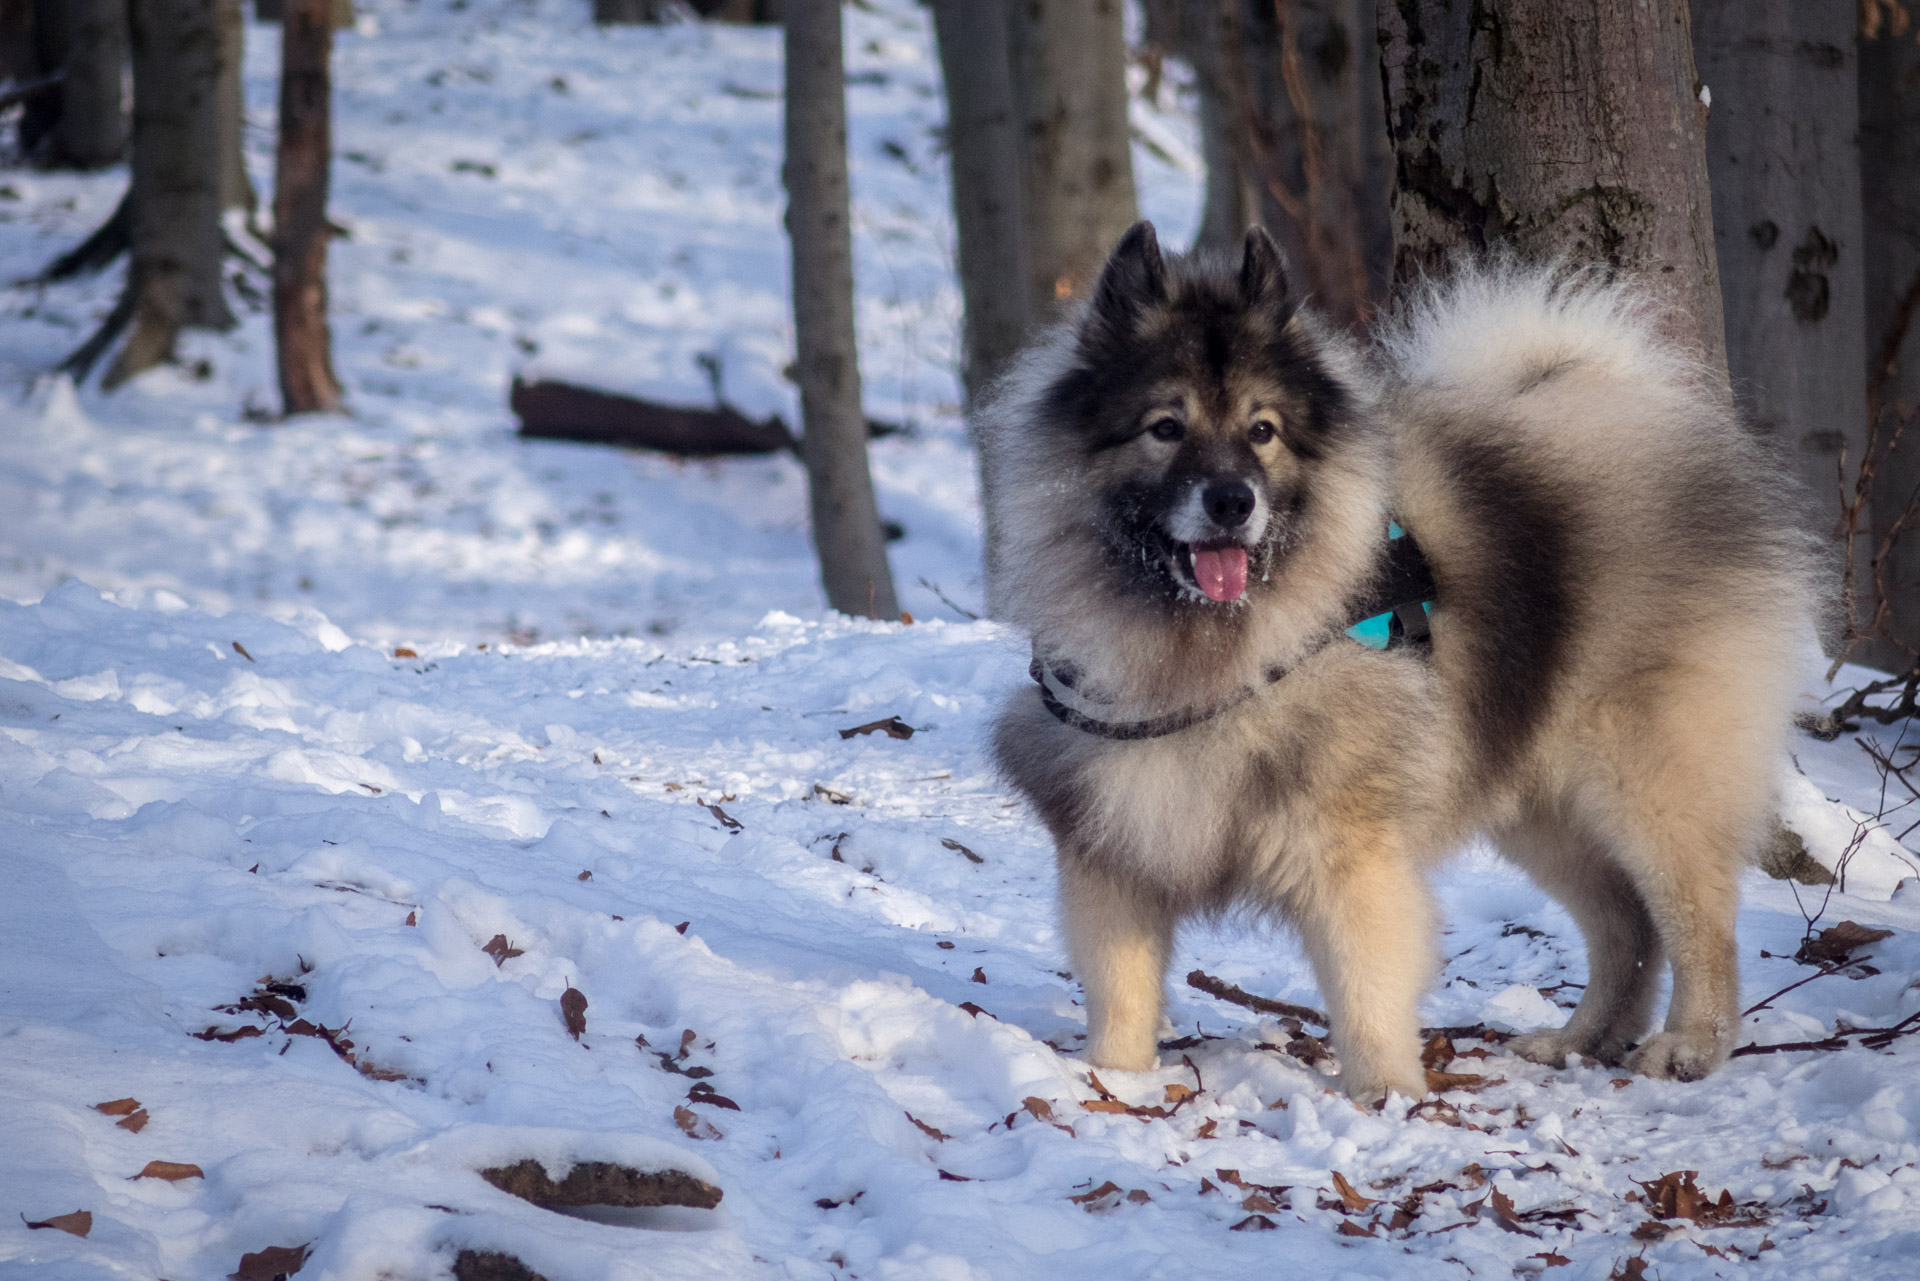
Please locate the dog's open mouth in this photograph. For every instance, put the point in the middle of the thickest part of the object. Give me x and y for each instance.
(1218, 569)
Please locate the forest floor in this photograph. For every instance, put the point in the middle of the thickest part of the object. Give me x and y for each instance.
(338, 705)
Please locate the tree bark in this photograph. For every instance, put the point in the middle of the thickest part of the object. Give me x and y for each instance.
(1322, 160)
(1070, 84)
(236, 188)
(1783, 155)
(846, 522)
(1889, 53)
(92, 129)
(307, 384)
(983, 142)
(174, 278)
(1563, 128)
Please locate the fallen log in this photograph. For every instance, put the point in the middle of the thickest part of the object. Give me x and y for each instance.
(563, 411)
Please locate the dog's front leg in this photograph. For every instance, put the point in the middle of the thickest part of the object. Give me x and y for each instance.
(1119, 939)
(1367, 923)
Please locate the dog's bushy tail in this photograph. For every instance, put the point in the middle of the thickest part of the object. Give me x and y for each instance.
(1497, 326)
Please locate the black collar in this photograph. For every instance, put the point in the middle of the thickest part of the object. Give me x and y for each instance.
(1403, 584)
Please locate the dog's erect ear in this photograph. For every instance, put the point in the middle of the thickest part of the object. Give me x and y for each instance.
(1263, 272)
(1134, 279)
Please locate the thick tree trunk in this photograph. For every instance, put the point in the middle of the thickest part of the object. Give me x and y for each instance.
(307, 384)
(1070, 83)
(93, 125)
(983, 141)
(1890, 182)
(1321, 155)
(174, 279)
(1564, 128)
(846, 522)
(1783, 153)
(236, 188)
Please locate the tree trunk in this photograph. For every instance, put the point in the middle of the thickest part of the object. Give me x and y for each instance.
(174, 279)
(92, 129)
(307, 384)
(983, 141)
(846, 522)
(236, 188)
(1783, 154)
(1320, 149)
(1070, 83)
(1564, 128)
(1890, 182)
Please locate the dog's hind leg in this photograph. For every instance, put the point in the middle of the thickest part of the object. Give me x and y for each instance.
(1119, 940)
(1623, 944)
(1366, 920)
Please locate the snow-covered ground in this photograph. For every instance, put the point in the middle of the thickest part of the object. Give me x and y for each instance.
(613, 739)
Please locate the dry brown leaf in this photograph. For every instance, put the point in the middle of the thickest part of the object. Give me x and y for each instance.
(1038, 1108)
(1348, 1228)
(960, 849)
(573, 1008)
(727, 820)
(1474, 1177)
(1254, 1223)
(693, 1124)
(1437, 1053)
(1836, 943)
(1354, 1202)
(1207, 1128)
(1503, 1213)
(979, 974)
(584, 876)
(1259, 1203)
(237, 1034)
(928, 1130)
(413, 918)
(1551, 1259)
(78, 1224)
(1675, 1196)
(892, 727)
(1178, 1093)
(500, 950)
(271, 1264)
(1089, 1199)
(404, 652)
(171, 1171)
(976, 1011)
(1437, 1082)
(241, 650)
(1104, 1105)
(118, 1107)
(1634, 1269)
(136, 1123)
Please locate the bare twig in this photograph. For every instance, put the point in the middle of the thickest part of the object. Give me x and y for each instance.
(1872, 1038)
(1225, 991)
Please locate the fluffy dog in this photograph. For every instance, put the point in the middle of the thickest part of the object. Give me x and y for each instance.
(1189, 486)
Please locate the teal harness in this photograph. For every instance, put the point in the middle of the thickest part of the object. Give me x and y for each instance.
(1393, 612)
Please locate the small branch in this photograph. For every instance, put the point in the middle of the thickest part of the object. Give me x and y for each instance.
(88, 353)
(1225, 991)
(945, 600)
(1755, 1009)
(1873, 1038)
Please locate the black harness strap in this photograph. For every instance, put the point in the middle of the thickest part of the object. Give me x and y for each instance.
(1403, 585)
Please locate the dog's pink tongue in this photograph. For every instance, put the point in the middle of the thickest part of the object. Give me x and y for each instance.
(1221, 571)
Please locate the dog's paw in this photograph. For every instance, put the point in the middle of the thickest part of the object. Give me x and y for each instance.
(1370, 1089)
(1549, 1047)
(1679, 1056)
(1119, 1056)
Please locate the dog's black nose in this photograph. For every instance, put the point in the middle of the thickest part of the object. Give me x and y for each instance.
(1228, 502)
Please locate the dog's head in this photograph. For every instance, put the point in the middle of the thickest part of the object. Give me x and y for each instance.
(1201, 404)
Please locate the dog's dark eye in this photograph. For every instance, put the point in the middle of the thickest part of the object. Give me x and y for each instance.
(1167, 429)
(1261, 432)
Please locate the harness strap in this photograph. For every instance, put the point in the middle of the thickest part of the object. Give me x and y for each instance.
(1403, 585)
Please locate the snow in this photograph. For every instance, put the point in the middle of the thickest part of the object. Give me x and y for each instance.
(215, 771)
